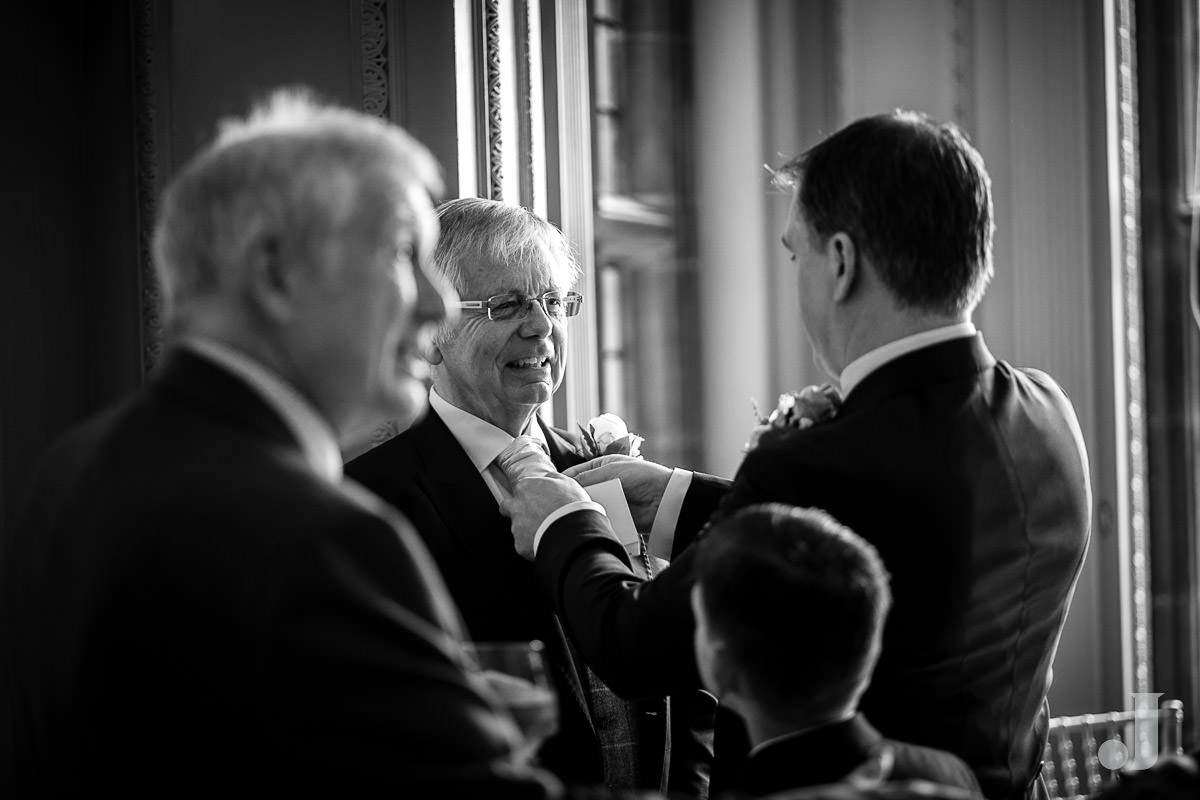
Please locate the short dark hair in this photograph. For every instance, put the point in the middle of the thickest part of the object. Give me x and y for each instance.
(800, 601)
(913, 195)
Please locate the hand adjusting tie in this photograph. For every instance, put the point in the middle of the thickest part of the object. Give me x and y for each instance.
(526, 457)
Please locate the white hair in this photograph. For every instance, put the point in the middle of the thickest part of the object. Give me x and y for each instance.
(295, 178)
(477, 230)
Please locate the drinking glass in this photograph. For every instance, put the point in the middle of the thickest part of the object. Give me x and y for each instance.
(515, 674)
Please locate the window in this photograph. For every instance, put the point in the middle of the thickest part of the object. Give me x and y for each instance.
(645, 222)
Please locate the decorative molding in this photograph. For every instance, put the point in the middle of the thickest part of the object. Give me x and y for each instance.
(1128, 343)
(525, 44)
(146, 181)
(491, 58)
(374, 57)
(466, 97)
(581, 390)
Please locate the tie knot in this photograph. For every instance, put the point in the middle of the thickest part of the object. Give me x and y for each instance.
(526, 457)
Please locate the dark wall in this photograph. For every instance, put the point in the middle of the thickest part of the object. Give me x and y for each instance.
(69, 276)
(104, 99)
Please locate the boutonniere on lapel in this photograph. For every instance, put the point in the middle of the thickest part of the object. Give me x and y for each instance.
(798, 410)
(607, 435)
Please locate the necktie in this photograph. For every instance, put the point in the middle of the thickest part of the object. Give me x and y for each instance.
(526, 457)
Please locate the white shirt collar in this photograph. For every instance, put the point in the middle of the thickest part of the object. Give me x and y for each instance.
(314, 435)
(482, 440)
(867, 363)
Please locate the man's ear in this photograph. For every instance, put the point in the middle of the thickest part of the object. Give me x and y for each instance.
(270, 283)
(844, 264)
(432, 353)
(431, 345)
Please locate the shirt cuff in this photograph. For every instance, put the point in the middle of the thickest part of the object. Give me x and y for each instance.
(662, 532)
(559, 513)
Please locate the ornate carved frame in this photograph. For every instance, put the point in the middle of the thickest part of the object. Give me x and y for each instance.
(149, 20)
(1128, 346)
(144, 21)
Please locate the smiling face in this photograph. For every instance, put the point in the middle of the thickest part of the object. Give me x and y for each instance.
(502, 370)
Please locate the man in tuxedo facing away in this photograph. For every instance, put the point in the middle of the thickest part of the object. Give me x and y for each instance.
(197, 603)
(789, 612)
(491, 371)
(968, 475)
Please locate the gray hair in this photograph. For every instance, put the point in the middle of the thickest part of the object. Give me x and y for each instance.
(294, 177)
(473, 229)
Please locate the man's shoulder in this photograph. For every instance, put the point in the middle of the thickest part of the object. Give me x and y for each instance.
(818, 445)
(391, 459)
(1043, 403)
(1039, 381)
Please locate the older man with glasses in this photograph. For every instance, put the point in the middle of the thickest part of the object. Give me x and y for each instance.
(492, 370)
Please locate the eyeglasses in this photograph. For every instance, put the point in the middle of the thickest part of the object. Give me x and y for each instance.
(500, 307)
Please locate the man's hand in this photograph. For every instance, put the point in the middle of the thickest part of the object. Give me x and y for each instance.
(644, 483)
(534, 499)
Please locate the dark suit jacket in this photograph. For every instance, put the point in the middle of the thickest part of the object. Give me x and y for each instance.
(426, 474)
(830, 753)
(188, 610)
(970, 478)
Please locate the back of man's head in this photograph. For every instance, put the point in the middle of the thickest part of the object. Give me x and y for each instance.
(797, 603)
(475, 230)
(915, 198)
(295, 181)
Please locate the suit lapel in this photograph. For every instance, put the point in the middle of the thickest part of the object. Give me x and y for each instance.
(562, 445)
(456, 490)
(470, 514)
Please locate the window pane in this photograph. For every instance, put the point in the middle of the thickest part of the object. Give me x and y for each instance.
(645, 223)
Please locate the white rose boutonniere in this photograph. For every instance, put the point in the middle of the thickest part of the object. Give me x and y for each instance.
(607, 435)
(799, 410)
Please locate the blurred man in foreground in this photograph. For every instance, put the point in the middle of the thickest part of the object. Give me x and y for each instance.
(196, 603)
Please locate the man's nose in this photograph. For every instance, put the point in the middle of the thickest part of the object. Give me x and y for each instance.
(537, 322)
(436, 299)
